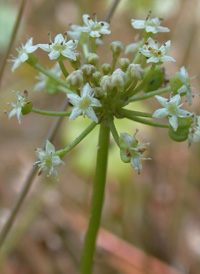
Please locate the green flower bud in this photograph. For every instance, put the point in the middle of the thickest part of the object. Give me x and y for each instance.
(92, 59)
(124, 63)
(156, 80)
(27, 107)
(106, 68)
(116, 47)
(175, 84)
(96, 76)
(99, 93)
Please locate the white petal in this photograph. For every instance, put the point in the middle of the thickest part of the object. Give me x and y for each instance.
(95, 102)
(167, 58)
(176, 99)
(45, 47)
(17, 63)
(95, 33)
(91, 114)
(161, 100)
(32, 49)
(50, 149)
(153, 59)
(54, 54)
(59, 39)
(138, 24)
(69, 54)
(23, 57)
(160, 113)
(173, 122)
(135, 162)
(127, 139)
(86, 90)
(162, 29)
(75, 113)
(74, 99)
(12, 113)
(151, 29)
(183, 113)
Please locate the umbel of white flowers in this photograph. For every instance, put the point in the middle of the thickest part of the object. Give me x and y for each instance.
(91, 90)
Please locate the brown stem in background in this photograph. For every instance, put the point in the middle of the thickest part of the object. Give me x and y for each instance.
(28, 182)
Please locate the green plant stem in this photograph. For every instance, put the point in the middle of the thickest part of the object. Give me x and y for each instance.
(114, 61)
(97, 201)
(93, 44)
(135, 113)
(62, 67)
(54, 77)
(129, 115)
(113, 129)
(144, 82)
(85, 50)
(149, 94)
(51, 113)
(62, 152)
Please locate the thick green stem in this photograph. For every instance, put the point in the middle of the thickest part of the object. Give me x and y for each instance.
(51, 113)
(97, 201)
(62, 67)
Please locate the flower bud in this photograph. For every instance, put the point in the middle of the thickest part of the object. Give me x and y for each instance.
(98, 92)
(156, 80)
(135, 71)
(118, 78)
(106, 68)
(88, 69)
(116, 47)
(96, 76)
(75, 78)
(124, 63)
(76, 64)
(106, 84)
(92, 59)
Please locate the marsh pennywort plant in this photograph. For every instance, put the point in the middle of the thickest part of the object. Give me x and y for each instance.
(102, 93)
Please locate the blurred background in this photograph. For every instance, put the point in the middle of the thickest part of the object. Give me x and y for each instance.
(156, 212)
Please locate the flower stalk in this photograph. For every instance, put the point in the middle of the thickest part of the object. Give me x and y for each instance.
(97, 200)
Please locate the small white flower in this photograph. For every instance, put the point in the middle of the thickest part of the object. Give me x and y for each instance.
(154, 53)
(171, 109)
(43, 79)
(60, 47)
(150, 25)
(94, 28)
(84, 103)
(194, 130)
(131, 151)
(17, 107)
(48, 160)
(23, 53)
(186, 87)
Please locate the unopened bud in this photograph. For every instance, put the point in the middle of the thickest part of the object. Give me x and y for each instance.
(96, 76)
(106, 68)
(92, 59)
(135, 71)
(116, 47)
(118, 78)
(88, 69)
(98, 92)
(75, 78)
(77, 63)
(124, 63)
(106, 84)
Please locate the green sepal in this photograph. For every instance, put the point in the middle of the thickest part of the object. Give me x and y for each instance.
(175, 84)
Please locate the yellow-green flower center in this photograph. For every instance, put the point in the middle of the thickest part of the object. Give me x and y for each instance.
(172, 108)
(85, 103)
